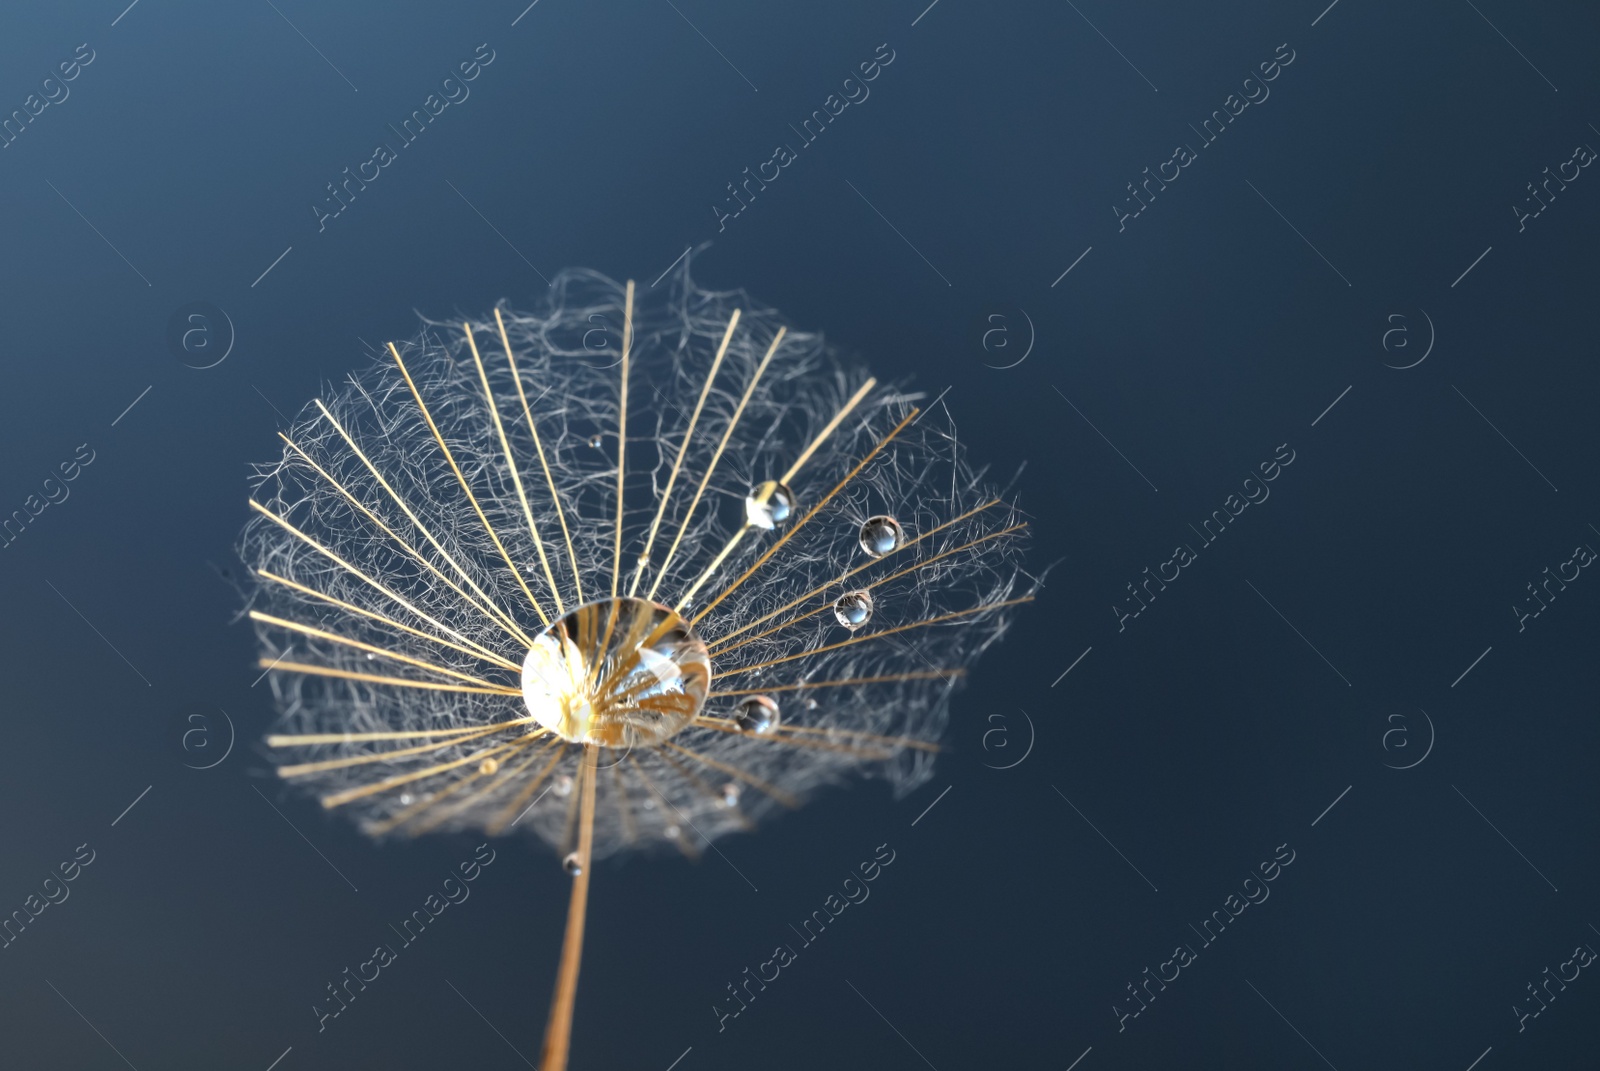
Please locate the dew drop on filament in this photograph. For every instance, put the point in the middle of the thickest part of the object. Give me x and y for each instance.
(768, 505)
(756, 715)
(881, 535)
(853, 609)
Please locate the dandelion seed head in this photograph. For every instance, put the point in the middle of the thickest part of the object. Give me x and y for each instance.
(806, 567)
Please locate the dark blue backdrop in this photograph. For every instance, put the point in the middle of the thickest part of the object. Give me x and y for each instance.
(1347, 267)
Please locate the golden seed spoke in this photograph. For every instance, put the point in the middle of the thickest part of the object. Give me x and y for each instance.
(683, 447)
(353, 571)
(489, 604)
(511, 463)
(825, 607)
(801, 686)
(879, 635)
(322, 634)
(372, 678)
(622, 432)
(710, 793)
(514, 808)
(899, 741)
(722, 725)
(727, 434)
(619, 787)
(683, 844)
(391, 622)
(304, 768)
(465, 487)
(338, 799)
(828, 429)
(493, 613)
(733, 771)
(847, 574)
(442, 814)
(309, 739)
(538, 445)
(792, 532)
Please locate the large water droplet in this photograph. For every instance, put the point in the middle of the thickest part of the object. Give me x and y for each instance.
(488, 766)
(853, 609)
(562, 786)
(572, 864)
(768, 505)
(756, 714)
(881, 535)
(730, 794)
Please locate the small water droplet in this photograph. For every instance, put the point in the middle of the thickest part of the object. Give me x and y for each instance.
(649, 803)
(730, 794)
(756, 714)
(881, 535)
(596, 441)
(811, 704)
(572, 865)
(853, 609)
(405, 799)
(562, 786)
(768, 505)
(488, 766)
(672, 832)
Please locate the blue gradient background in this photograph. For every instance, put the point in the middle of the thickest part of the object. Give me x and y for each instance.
(1197, 740)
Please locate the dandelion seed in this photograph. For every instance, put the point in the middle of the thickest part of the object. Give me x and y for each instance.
(487, 607)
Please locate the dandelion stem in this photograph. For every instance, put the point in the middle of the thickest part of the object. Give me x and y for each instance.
(558, 1034)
